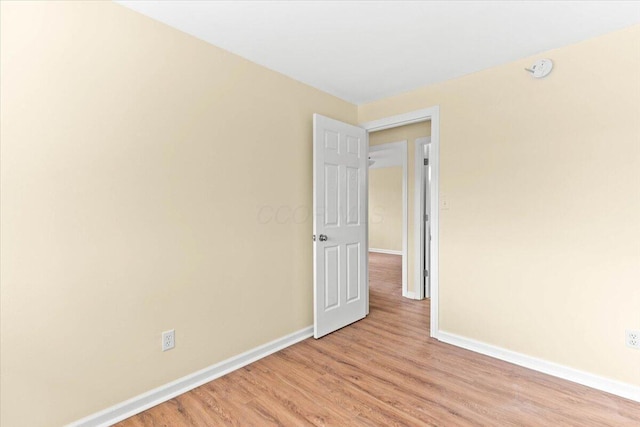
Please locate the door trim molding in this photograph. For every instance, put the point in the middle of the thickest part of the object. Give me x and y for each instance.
(418, 213)
(597, 382)
(427, 114)
(411, 117)
(402, 147)
(168, 391)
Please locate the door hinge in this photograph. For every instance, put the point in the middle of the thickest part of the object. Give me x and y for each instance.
(426, 162)
(426, 217)
(426, 273)
(314, 237)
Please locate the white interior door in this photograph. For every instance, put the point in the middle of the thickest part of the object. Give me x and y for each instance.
(340, 253)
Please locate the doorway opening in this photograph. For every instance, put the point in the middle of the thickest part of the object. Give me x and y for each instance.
(388, 204)
(340, 216)
(422, 160)
(391, 210)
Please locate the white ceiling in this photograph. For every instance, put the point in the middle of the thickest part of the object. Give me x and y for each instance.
(384, 158)
(362, 51)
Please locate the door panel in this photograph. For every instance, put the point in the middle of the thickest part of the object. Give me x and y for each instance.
(353, 197)
(332, 195)
(331, 277)
(353, 272)
(340, 172)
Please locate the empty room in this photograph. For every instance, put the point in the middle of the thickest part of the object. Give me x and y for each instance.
(319, 213)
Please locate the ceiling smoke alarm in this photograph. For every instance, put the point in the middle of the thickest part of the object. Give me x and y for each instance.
(541, 68)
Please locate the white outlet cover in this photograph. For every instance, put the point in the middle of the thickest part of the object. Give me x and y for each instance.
(633, 339)
(542, 68)
(168, 339)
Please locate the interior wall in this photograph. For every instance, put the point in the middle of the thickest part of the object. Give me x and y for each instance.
(385, 208)
(409, 133)
(540, 244)
(149, 181)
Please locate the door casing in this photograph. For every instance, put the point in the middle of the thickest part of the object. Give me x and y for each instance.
(418, 225)
(431, 114)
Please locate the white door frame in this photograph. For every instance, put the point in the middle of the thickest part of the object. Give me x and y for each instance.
(418, 214)
(401, 148)
(428, 114)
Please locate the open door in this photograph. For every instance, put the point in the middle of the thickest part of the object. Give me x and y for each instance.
(340, 252)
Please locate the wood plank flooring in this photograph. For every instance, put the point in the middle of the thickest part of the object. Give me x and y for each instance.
(386, 371)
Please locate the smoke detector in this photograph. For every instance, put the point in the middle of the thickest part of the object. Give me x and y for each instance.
(541, 68)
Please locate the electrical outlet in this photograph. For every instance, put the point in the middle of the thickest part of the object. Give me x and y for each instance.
(168, 340)
(633, 339)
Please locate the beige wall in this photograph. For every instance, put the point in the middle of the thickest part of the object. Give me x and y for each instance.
(407, 133)
(141, 173)
(141, 191)
(385, 208)
(539, 249)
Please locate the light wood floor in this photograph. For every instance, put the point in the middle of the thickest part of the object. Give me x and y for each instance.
(385, 371)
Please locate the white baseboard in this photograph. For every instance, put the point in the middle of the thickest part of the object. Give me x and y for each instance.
(411, 295)
(385, 251)
(168, 391)
(618, 388)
